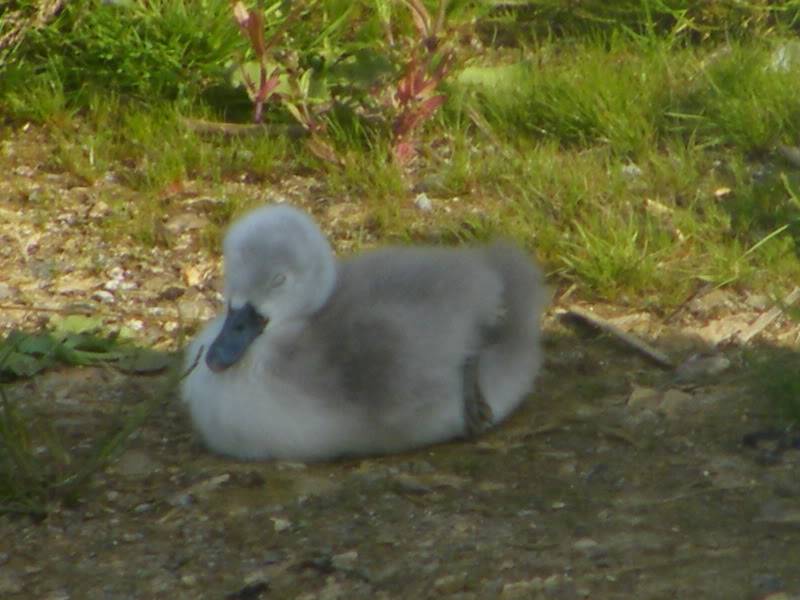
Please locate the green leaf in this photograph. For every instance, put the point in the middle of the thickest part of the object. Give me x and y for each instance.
(43, 344)
(78, 324)
(18, 365)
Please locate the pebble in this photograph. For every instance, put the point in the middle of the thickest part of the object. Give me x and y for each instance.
(698, 366)
(104, 296)
(135, 464)
(522, 589)
(449, 584)
(345, 560)
(585, 545)
(644, 397)
(675, 402)
(631, 170)
(423, 203)
(281, 524)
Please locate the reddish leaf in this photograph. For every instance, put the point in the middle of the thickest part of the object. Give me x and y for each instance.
(404, 152)
(268, 85)
(429, 106)
(255, 31)
(426, 86)
(173, 188)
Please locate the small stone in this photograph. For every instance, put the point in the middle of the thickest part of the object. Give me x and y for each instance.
(186, 222)
(135, 463)
(553, 582)
(281, 524)
(181, 500)
(758, 302)
(585, 545)
(591, 549)
(631, 170)
(173, 292)
(643, 397)
(143, 507)
(522, 589)
(699, 366)
(450, 584)
(135, 324)
(189, 580)
(675, 402)
(99, 210)
(104, 296)
(333, 590)
(345, 560)
(423, 203)
(192, 275)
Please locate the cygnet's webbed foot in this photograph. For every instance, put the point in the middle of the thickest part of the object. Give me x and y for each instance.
(478, 415)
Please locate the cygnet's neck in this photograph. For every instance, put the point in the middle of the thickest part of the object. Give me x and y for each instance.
(318, 283)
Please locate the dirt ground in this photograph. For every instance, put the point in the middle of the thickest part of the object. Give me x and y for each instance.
(617, 479)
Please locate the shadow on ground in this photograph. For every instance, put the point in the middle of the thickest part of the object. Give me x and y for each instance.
(613, 481)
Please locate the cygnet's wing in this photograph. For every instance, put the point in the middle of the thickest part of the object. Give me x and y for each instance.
(402, 322)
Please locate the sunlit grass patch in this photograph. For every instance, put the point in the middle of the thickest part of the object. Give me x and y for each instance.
(742, 96)
(160, 49)
(611, 97)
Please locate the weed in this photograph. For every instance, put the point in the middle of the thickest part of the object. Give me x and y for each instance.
(37, 467)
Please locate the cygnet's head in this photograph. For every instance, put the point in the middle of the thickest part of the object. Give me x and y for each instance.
(278, 267)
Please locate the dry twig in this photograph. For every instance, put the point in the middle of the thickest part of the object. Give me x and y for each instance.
(576, 312)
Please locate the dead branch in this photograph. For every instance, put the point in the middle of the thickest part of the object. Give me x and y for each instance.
(593, 320)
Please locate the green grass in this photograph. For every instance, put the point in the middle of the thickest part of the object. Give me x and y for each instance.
(600, 147)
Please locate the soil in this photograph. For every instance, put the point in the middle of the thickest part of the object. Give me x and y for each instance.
(617, 478)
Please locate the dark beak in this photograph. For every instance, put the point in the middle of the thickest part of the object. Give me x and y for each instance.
(241, 327)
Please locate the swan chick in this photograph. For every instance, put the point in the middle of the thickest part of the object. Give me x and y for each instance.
(397, 348)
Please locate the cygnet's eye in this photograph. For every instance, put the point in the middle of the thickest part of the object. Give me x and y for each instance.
(278, 280)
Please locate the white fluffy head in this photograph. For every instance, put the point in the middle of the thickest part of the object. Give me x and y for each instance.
(277, 259)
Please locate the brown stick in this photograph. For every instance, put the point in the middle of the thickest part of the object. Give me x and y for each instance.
(768, 317)
(202, 127)
(629, 339)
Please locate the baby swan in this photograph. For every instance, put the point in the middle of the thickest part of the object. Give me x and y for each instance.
(387, 351)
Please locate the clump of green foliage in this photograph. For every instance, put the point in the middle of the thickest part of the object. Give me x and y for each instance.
(38, 467)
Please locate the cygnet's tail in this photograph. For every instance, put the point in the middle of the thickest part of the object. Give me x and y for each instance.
(524, 293)
(512, 358)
